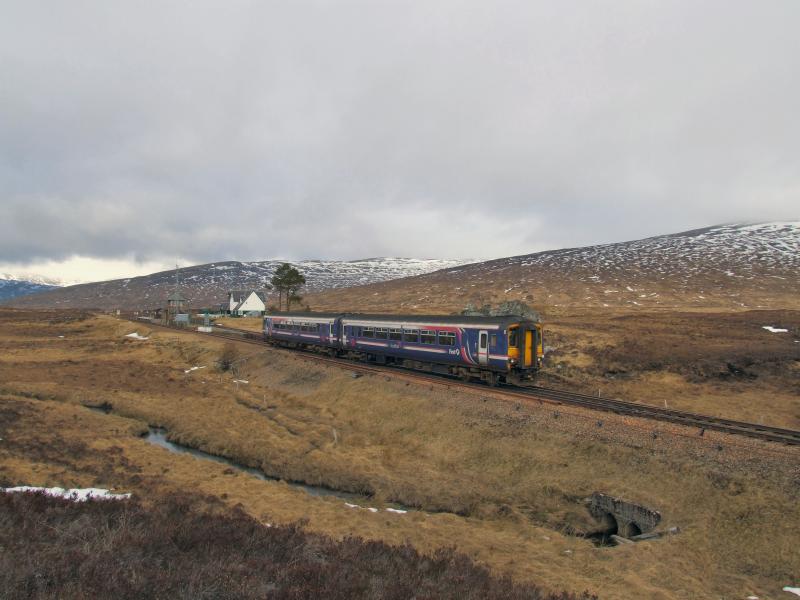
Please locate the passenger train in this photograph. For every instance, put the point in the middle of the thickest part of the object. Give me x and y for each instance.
(496, 350)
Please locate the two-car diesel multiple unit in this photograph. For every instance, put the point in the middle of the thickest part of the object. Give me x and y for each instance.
(494, 349)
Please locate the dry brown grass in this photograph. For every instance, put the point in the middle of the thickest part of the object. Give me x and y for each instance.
(246, 323)
(516, 474)
(716, 363)
(720, 363)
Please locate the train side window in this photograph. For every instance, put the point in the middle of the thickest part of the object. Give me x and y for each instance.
(512, 338)
(483, 341)
(395, 334)
(447, 338)
(493, 341)
(381, 333)
(368, 332)
(427, 337)
(411, 335)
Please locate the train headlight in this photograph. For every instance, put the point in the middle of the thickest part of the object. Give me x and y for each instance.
(512, 361)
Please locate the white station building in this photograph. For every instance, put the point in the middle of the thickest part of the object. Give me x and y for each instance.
(244, 302)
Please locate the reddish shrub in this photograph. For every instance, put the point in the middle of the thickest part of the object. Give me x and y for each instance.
(179, 549)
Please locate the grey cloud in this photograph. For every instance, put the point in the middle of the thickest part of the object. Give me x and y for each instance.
(342, 130)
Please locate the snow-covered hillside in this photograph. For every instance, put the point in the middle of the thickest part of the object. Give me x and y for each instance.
(721, 259)
(208, 284)
(733, 266)
(11, 287)
(726, 266)
(320, 274)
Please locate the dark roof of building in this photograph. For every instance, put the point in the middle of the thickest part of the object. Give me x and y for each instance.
(244, 294)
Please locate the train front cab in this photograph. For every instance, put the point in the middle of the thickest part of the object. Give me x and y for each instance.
(525, 350)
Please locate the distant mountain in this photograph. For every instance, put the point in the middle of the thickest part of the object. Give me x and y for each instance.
(15, 288)
(208, 285)
(734, 266)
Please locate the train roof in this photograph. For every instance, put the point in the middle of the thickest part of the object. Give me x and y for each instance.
(460, 319)
(310, 315)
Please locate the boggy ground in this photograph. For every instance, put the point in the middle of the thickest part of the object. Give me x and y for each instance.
(501, 482)
(719, 363)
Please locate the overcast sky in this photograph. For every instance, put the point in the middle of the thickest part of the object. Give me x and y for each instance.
(134, 135)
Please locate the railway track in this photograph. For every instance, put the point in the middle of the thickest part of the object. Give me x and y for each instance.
(545, 395)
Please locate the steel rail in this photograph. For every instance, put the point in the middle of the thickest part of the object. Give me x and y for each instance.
(551, 396)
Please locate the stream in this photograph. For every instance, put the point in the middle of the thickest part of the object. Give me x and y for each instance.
(158, 437)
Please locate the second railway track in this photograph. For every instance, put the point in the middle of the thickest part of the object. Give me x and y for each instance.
(622, 407)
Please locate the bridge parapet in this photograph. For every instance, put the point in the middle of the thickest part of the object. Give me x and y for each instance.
(628, 518)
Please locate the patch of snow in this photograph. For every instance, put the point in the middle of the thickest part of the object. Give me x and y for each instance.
(772, 329)
(135, 336)
(240, 381)
(374, 510)
(792, 590)
(194, 369)
(76, 494)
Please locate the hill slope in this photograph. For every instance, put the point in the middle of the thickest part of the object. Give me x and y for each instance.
(728, 266)
(14, 288)
(208, 284)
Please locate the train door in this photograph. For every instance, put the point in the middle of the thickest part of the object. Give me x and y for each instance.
(529, 340)
(483, 347)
